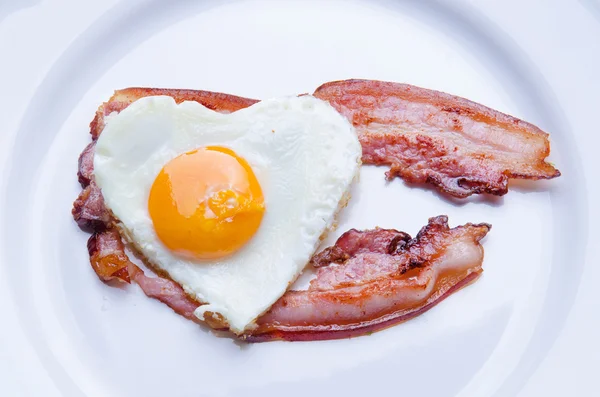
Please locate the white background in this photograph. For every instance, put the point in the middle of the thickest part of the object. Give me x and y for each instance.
(562, 40)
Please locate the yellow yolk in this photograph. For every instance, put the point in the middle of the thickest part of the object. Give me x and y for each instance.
(206, 203)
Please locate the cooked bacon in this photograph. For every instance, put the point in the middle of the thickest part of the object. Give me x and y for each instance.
(368, 280)
(353, 242)
(85, 171)
(424, 136)
(427, 136)
(374, 289)
(380, 284)
(107, 108)
(167, 291)
(89, 210)
(217, 101)
(110, 261)
(107, 255)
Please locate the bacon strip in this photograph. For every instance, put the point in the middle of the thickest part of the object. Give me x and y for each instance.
(85, 171)
(427, 136)
(89, 210)
(353, 242)
(167, 291)
(107, 256)
(110, 261)
(374, 289)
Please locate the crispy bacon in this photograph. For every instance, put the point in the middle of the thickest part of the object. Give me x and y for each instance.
(366, 281)
(380, 284)
(167, 291)
(85, 171)
(427, 136)
(374, 289)
(107, 255)
(89, 210)
(353, 242)
(110, 261)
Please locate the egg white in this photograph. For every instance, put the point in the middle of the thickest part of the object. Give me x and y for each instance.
(304, 154)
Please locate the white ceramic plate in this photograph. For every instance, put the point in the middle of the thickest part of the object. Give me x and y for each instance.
(94, 340)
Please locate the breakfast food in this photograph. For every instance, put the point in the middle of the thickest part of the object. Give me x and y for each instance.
(227, 209)
(366, 281)
(373, 279)
(426, 136)
(89, 210)
(229, 206)
(107, 251)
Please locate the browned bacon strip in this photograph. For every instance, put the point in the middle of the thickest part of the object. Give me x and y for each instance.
(375, 289)
(89, 210)
(107, 255)
(86, 165)
(167, 291)
(379, 285)
(110, 261)
(353, 242)
(427, 136)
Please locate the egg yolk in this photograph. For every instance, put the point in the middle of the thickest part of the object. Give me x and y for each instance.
(206, 203)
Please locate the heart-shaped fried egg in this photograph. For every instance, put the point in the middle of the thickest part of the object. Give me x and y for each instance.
(230, 206)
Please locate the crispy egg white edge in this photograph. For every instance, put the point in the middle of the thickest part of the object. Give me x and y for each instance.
(305, 156)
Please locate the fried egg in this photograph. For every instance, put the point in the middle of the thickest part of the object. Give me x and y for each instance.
(230, 206)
